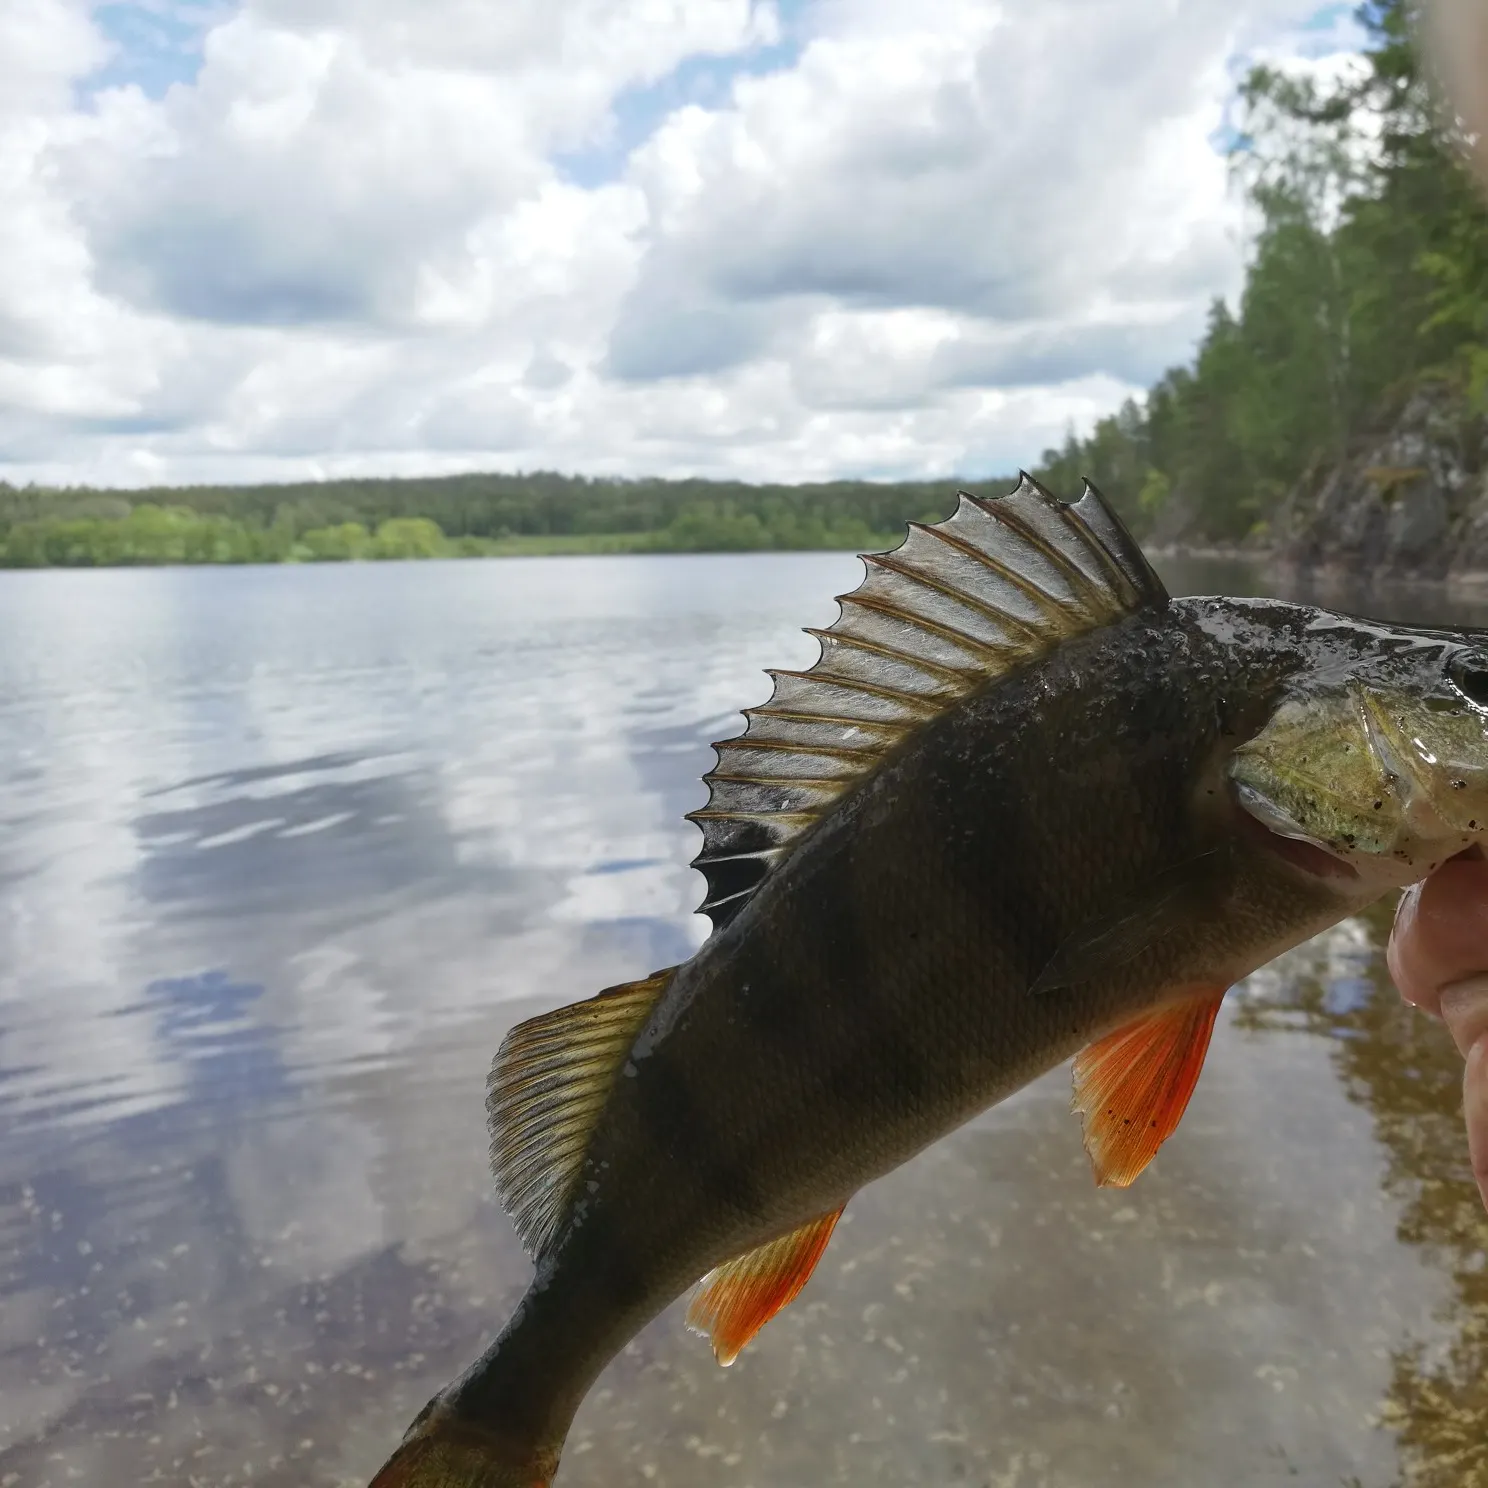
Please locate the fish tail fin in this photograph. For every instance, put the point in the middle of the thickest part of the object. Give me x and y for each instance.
(442, 1450)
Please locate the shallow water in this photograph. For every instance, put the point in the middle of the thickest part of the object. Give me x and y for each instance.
(283, 852)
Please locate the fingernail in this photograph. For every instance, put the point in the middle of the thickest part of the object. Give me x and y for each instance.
(1404, 912)
(1407, 899)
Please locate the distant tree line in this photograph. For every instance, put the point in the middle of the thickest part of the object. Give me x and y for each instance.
(462, 515)
(1369, 275)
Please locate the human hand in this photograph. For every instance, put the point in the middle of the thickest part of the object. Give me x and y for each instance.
(1438, 956)
(1456, 34)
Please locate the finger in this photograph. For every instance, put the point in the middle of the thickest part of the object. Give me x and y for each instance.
(1402, 953)
(1475, 1108)
(1464, 1008)
(1441, 931)
(1457, 33)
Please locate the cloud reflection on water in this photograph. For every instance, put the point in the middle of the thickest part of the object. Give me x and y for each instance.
(268, 851)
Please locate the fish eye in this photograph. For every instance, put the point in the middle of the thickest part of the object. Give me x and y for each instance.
(1468, 673)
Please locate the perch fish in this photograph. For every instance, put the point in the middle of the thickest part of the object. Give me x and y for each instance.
(1025, 807)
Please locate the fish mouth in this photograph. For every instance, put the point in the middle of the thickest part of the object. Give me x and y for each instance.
(1304, 853)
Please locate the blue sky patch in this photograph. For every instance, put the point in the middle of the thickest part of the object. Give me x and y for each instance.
(155, 42)
(704, 80)
(1331, 29)
(1331, 17)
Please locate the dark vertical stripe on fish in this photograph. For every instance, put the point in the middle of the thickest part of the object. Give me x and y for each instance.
(1021, 913)
(679, 1122)
(842, 945)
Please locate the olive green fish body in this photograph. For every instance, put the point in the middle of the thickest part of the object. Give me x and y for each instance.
(933, 881)
(875, 993)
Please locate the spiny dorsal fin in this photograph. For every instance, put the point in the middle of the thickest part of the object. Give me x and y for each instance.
(958, 604)
(735, 1300)
(548, 1085)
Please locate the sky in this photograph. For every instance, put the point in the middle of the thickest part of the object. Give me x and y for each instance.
(767, 240)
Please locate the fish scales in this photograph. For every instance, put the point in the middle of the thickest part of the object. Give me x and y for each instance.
(873, 995)
(959, 858)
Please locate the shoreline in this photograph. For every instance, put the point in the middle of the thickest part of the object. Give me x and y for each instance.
(1208, 552)
(1325, 576)
(1335, 576)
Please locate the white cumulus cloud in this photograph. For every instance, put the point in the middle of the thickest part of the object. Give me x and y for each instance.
(763, 238)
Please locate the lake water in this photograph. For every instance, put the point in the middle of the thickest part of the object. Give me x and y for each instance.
(285, 851)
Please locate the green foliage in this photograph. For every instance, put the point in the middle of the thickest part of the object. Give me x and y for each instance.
(1369, 274)
(725, 527)
(408, 537)
(460, 516)
(346, 540)
(145, 534)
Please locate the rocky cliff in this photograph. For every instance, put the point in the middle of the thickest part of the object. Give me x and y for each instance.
(1410, 501)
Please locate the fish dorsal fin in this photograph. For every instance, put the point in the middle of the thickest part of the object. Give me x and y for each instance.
(735, 1300)
(958, 604)
(548, 1085)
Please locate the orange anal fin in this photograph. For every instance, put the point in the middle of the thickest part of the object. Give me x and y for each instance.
(1132, 1087)
(735, 1300)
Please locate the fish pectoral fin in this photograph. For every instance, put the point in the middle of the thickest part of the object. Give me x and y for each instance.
(735, 1300)
(1132, 1087)
(549, 1083)
(1169, 900)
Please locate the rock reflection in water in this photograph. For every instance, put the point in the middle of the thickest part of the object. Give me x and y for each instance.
(1404, 1069)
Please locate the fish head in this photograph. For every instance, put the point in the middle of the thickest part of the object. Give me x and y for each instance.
(1376, 771)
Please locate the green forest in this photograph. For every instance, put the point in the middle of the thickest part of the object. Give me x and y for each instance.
(1368, 276)
(458, 516)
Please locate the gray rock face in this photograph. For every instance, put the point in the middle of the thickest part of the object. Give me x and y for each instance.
(1408, 502)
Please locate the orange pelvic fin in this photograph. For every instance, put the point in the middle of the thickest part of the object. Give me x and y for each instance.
(1132, 1087)
(735, 1300)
